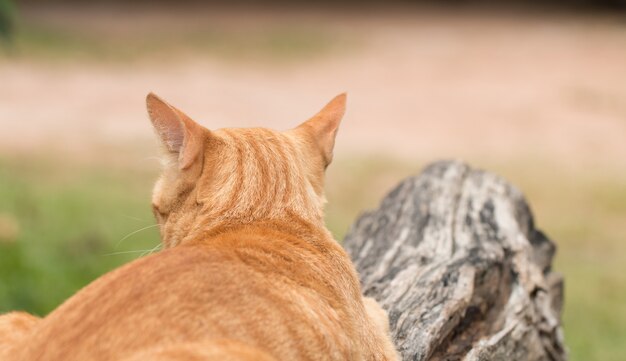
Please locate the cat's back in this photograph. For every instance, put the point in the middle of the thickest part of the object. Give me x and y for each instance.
(254, 287)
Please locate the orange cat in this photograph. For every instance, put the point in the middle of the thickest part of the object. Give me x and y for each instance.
(249, 271)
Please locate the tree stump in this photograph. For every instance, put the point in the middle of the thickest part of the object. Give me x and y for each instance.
(454, 257)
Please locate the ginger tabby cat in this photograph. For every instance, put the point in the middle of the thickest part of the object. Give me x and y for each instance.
(249, 271)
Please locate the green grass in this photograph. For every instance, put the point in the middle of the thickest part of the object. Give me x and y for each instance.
(70, 221)
(72, 217)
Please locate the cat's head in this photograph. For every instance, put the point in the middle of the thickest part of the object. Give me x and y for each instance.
(239, 175)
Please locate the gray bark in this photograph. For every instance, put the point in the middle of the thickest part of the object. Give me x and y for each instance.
(454, 257)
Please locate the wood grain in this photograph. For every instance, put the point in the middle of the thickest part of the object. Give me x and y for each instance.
(455, 258)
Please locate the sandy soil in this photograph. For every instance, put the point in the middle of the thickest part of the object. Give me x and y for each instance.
(421, 85)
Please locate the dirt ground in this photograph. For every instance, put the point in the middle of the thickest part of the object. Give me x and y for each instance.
(421, 85)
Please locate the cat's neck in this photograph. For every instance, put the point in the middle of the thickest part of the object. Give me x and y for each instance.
(289, 224)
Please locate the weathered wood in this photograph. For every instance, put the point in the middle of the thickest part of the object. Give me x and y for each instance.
(453, 255)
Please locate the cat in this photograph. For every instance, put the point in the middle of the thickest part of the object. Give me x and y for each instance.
(248, 271)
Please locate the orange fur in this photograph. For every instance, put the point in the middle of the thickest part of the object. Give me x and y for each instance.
(14, 327)
(249, 272)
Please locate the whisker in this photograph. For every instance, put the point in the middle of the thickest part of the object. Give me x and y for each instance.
(125, 252)
(134, 232)
(157, 248)
(150, 251)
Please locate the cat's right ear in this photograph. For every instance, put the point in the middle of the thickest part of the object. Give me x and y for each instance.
(322, 127)
(181, 136)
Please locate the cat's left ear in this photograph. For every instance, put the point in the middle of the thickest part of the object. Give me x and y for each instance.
(181, 136)
(323, 126)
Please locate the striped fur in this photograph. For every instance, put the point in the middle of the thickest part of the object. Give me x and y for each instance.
(249, 271)
(251, 175)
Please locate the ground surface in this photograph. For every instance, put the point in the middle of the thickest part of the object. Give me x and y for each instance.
(421, 84)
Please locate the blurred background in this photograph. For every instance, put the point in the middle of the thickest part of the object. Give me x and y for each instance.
(534, 91)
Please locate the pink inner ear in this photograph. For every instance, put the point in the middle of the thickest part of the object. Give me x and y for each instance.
(178, 132)
(172, 133)
(167, 124)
